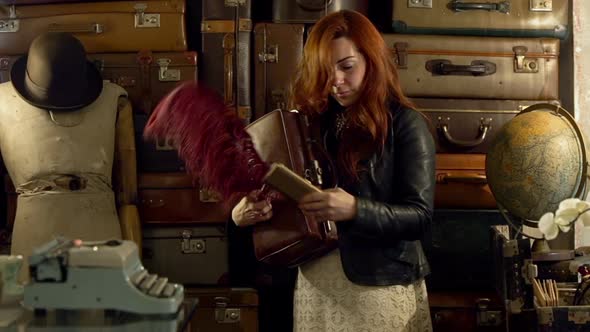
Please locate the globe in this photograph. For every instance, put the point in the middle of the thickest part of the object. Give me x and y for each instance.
(537, 160)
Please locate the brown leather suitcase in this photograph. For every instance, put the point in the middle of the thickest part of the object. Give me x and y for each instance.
(479, 311)
(121, 26)
(189, 254)
(226, 9)
(309, 11)
(223, 309)
(168, 198)
(225, 64)
(146, 76)
(278, 48)
(475, 67)
(461, 182)
(522, 18)
(468, 125)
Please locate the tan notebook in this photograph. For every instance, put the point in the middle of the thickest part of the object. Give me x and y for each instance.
(288, 182)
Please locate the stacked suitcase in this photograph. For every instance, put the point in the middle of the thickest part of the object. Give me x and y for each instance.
(143, 46)
(470, 67)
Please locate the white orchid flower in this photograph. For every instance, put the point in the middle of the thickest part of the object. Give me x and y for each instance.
(568, 212)
(548, 227)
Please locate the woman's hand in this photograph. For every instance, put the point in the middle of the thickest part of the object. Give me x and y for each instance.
(331, 204)
(250, 210)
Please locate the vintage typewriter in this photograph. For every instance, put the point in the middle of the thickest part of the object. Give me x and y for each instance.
(72, 274)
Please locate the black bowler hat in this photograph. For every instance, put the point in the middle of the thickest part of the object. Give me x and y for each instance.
(55, 74)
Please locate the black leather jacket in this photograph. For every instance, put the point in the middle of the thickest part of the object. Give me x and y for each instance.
(381, 246)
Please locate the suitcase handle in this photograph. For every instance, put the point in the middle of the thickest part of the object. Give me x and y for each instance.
(95, 28)
(458, 6)
(484, 127)
(474, 178)
(314, 5)
(229, 44)
(446, 67)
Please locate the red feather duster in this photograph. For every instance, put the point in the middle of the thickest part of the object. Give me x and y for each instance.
(210, 138)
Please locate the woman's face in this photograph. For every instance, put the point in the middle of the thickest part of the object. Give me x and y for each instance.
(349, 71)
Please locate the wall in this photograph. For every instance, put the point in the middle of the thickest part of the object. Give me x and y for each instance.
(581, 81)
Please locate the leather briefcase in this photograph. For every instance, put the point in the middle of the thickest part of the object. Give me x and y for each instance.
(290, 238)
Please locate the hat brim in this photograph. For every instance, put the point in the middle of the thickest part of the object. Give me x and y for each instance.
(94, 79)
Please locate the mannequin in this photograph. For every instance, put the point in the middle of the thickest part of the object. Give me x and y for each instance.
(59, 143)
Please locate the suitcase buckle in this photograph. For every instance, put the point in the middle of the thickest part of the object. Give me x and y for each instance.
(143, 20)
(12, 24)
(420, 4)
(223, 314)
(522, 64)
(167, 75)
(541, 5)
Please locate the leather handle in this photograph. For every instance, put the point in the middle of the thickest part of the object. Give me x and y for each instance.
(314, 5)
(483, 131)
(229, 44)
(446, 67)
(93, 28)
(458, 6)
(475, 179)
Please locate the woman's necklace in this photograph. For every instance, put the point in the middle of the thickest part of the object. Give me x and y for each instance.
(341, 120)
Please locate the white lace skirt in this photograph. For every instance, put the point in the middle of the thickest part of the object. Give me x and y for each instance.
(326, 301)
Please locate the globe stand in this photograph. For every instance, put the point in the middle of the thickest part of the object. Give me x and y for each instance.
(540, 246)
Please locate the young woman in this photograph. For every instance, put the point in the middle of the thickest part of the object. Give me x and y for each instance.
(384, 156)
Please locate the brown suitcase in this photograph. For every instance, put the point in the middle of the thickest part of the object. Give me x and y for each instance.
(225, 57)
(278, 48)
(461, 182)
(522, 18)
(475, 67)
(223, 309)
(121, 26)
(167, 198)
(468, 125)
(226, 9)
(147, 76)
(309, 11)
(466, 312)
(188, 254)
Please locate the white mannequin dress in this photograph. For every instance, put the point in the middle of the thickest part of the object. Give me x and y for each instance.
(61, 165)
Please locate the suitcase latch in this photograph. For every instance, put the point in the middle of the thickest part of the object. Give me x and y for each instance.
(419, 3)
(522, 64)
(12, 24)
(270, 56)
(167, 75)
(164, 144)
(487, 317)
(401, 51)
(188, 245)
(541, 5)
(223, 314)
(234, 3)
(143, 20)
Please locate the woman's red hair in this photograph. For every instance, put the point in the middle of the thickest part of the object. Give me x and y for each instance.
(368, 118)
